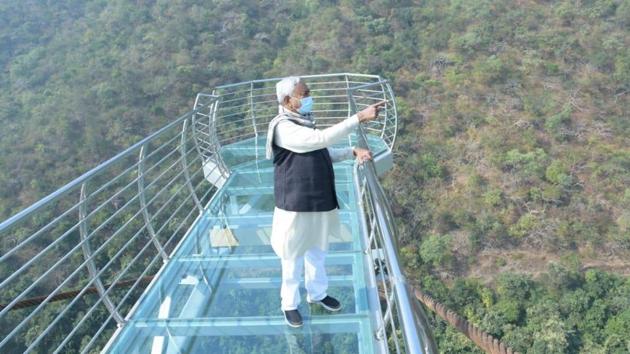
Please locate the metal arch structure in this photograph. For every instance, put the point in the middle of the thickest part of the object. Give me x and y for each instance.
(136, 215)
(242, 111)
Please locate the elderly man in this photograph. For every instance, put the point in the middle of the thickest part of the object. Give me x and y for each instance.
(306, 207)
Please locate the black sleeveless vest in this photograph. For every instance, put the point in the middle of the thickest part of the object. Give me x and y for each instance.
(303, 181)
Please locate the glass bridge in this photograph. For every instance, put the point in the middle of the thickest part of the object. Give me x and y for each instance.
(165, 247)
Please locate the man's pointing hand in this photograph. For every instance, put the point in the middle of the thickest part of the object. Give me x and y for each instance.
(370, 112)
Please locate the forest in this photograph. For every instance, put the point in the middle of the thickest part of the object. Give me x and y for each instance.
(511, 183)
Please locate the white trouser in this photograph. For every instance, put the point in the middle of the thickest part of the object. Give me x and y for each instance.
(315, 279)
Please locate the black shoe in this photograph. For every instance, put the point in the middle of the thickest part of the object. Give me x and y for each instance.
(329, 303)
(293, 318)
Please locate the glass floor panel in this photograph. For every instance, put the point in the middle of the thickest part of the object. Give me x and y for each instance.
(252, 234)
(223, 295)
(201, 287)
(261, 335)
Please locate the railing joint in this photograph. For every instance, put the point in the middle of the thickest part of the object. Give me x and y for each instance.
(379, 334)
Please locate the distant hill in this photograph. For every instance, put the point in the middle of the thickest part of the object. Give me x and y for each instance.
(512, 177)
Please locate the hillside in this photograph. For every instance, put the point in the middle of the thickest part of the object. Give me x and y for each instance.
(512, 176)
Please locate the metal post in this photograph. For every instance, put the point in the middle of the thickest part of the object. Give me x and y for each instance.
(182, 149)
(212, 119)
(391, 94)
(212, 139)
(384, 120)
(350, 108)
(194, 135)
(87, 254)
(252, 113)
(251, 110)
(143, 206)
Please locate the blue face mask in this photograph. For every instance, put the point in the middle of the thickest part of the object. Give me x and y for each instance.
(306, 105)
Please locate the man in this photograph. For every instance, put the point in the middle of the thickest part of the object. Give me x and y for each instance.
(306, 207)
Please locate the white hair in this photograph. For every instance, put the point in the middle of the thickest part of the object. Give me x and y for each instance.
(285, 87)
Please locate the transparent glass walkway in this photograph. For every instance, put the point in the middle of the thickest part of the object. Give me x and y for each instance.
(211, 298)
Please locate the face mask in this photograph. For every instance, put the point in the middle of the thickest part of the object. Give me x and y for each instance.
(306, 105)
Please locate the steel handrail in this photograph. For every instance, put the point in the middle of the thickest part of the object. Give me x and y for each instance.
(76, 183)
(114, 177)
(415, 328)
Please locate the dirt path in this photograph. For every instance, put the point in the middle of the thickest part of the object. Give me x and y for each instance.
(493, 262)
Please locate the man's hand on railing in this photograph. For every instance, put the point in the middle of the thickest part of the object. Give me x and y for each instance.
(362, 154)
(370, 112)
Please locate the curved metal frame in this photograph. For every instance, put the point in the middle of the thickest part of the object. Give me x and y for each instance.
(87, 254)
(143, 206)
(186, 167)
(242, 103)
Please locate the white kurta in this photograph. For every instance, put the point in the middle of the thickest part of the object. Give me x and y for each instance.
(294, 232)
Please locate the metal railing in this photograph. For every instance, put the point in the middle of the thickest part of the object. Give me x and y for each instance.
(245, 109)
(400, 311)
(117, 222)
(120, 222)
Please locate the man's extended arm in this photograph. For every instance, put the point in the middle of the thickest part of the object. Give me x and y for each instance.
(302, 139)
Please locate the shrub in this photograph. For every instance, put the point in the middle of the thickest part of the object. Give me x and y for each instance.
(557, 124)
(436, 249)
(514, 286)
(558, 174)
(525, 224)
(530, 163)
